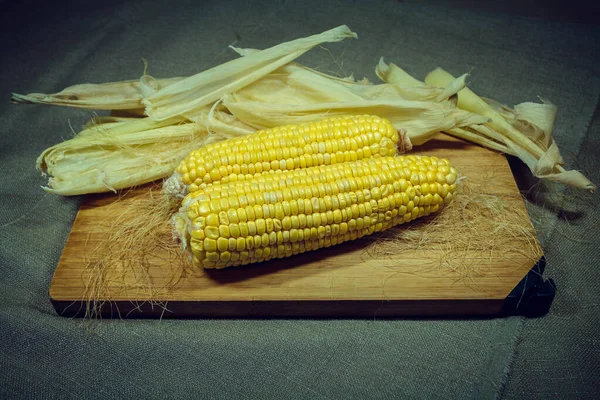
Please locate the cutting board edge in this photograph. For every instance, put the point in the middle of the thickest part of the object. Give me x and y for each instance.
(287, 309)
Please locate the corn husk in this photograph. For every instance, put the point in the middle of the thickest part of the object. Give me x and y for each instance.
(414, 89)
(421, 120)
(296, 94)
(264, 89)
(113, 153)
(108, 159)
(526, 130)
(124, 95)
(196, 92)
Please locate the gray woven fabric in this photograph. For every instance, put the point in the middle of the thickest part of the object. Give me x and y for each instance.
(514, 58)
(558, 355)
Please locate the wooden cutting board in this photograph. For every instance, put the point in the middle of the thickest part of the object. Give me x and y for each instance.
(348, 280)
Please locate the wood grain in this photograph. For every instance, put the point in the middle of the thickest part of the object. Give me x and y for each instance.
(343, 281)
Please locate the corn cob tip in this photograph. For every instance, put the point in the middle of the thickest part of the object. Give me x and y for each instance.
(174, 186)
(404, 143)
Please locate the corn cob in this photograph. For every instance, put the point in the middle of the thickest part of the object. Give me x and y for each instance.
(282, 214)
(324, 142)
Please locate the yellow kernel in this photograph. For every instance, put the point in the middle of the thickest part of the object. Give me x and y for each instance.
(376, 193)
(321, 232)
(234, 230)
(197, 244)
(215, 205)
(250, 242)
(328, 217)
(225, 256)
(279, 214)
(440, 177)
(224, 231)
(295, 221)
(316, 219)
(266, 210)
(241, 215)
(307, 206)
(212, 220)
(223, 219)
(215, 175)
(240, 244)
(222, 244)
(203, 209)
(328, 203)
(414, 178)
(302, 223)
(212, 232)
(232, 216)
(444, 190)
(293, 207)
(286, 207)
(250, 213)
(244, 231)
(315, 203)
(260, 226)
(404, 184)
(251, 228)
(198, 234)
(272, 238)
(210, 244)
(286, 223)
(264, 239)
(212, 256)
(415, 212)
(343, 228)
(269, 225)
(232, 244)
(443, 168)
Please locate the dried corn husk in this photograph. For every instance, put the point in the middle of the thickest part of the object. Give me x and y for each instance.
(111, 160)
(113, 153)
(124, 95)
(413, 88)
(296, 84)
(294, 94)
(421, 120)
(526, 130)
(190, 95)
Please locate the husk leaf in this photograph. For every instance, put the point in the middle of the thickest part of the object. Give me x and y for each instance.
(194, 93)
(526, 131)
(422, 120)
(124, 95)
